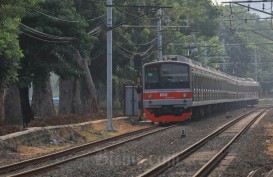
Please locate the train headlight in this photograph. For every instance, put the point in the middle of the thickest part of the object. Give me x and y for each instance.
(150, 95)
(184, 95)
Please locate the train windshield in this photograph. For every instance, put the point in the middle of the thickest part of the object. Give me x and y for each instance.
(166, 76)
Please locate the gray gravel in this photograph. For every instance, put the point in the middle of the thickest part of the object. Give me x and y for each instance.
(135, 157)
(250, 151)
(190, 165)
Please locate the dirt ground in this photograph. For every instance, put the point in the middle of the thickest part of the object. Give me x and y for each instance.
(51, 121)
(95, 132)
(269, 129)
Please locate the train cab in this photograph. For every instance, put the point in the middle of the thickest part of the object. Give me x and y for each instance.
(167, 95)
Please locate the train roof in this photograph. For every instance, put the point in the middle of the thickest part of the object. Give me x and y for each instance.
(201, 67)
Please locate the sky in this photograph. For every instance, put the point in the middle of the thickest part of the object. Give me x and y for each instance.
(254, 5)
(219, 1)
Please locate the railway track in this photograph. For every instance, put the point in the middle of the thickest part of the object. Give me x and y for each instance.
(241, 124)
(261, 172)
(42, 163)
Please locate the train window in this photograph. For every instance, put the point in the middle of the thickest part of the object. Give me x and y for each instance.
(152, 76)
(166, 76)
(174, 76)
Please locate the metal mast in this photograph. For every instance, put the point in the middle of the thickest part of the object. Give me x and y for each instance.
(159, 36)
(109, 126)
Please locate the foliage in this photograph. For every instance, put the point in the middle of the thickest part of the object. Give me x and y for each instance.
(199, 19)
(244, 30)
(134, 33)
(45, 53)
(10, 53)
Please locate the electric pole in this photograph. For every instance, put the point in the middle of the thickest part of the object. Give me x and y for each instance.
(223, 53)
(159, 36)
(205, 51)
(255, 63)
(109, 126)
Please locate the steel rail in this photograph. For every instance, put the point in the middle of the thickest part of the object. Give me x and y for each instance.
(6, 168)
(175, 159)
(109, 147)
(206, 169)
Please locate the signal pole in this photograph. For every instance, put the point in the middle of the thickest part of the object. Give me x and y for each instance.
(109, 126)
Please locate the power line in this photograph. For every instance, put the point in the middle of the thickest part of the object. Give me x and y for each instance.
(247, 1)
(69, 21)
(148, 42)
(55, 18)
(246, 19)
(256, 30)
(237, 3)
(43, 39)
(261, 35)
(41, 34)
(265, 43)
(132, 19)
(96, 30)
(141, 6)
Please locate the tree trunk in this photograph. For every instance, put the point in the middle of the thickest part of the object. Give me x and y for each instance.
(70, 101)
(121, 96)
(42, 101)
(90, 100)
(25, 105)
(66, 96)
(12, 106)
(77, 101)
(86, 98)
(1, 107)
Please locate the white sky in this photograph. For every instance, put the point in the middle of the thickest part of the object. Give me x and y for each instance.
(267, 5)
(219, 1)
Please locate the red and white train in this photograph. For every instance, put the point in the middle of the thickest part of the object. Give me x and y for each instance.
(177, 88)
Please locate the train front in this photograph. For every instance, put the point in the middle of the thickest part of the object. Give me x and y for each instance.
(167, 95)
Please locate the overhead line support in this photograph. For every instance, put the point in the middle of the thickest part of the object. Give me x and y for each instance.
(141, 6)
(109, 26)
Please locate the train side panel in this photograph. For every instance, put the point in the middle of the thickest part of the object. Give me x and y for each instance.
(196, 89)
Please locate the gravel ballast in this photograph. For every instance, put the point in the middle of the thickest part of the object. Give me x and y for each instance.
(136, 157)
(251, 150)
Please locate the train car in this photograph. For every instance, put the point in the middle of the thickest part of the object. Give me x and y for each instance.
(178, 88)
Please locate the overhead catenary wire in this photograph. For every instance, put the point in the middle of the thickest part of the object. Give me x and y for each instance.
(135, 16)
(98, 54)
(253, 31)
(149, 42)
(41, 34)
(146, 57)
(68, 21)
(131, 53)
(96, 30)
(122, 52)
(123, 11)
(58, 39)
(266, 37)
(132, 19)
(43, 39)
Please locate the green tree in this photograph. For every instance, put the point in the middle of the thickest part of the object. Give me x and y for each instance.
(199, 19)
(10, 52)
(55, 37)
